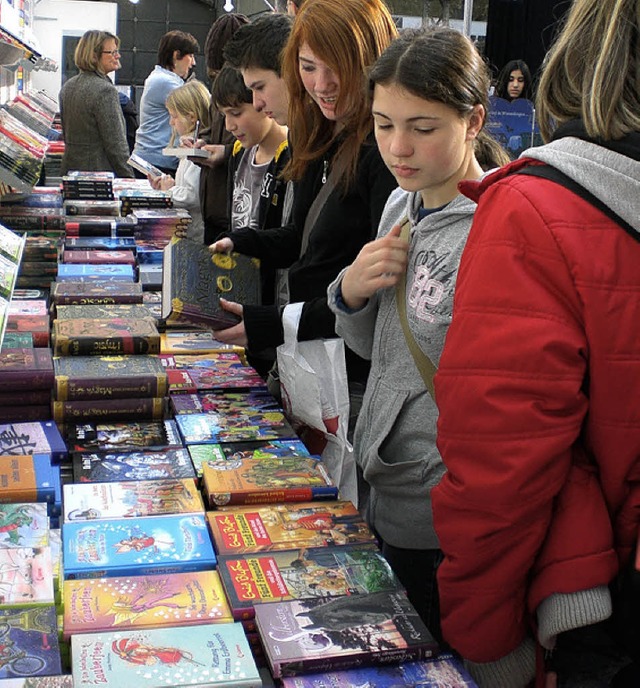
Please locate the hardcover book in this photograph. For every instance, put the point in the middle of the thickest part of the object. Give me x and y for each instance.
(100, 311)
(99, 257)
(78, 293)
(307, 573)
(27, 478)
(100, 337)
(82, 273)
(28, 307)
(185, 152)
(194, 342)
(25, 413)
(137, 547)
(181, 599)
(211, 656)
(124, 436)
(29, 637)
(26, 369)
(37, 325)
(109, 409)
(204, 428)
(265, 481)
(24, 525)
(323, 635)
(28, 397)
(194, 280)
(108, 377)
(41, 437)
(93, 243)
(268, 527)
(26, 576)
(130, 499)
(444, 671)
(17, 340)
(145, 465)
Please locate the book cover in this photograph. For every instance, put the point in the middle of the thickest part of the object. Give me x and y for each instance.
(38, 437)
(100, 311)
(26, 397)
(218, 374)
(181, 599)
(37, 269)
(98, 257)
(93, 243)
(100, 337)
(24, 525)
(194, 342)
(205, 656)
(136, 547)
(145, 465)
(185, 152)
(83, 272)
(17, 340)
(59, 681)
(265, 481)
(292, 525)
(26, 369)
(143, 166)
(306, 573)
(322, 635)
(123, 436)
(37, 325)
(25, 413)
(108, 377)
(26, 576)
(8, 275)
(11, 245)
(130, 499)
(29, 638)
(149, 408)
(203, 428)
(194, 280)
(246, 403)
(444, 671)
(28, 306)
(80, 293)
(27, 478)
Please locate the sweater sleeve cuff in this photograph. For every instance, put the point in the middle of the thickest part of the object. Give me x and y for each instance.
(514, 670)
(263, 326)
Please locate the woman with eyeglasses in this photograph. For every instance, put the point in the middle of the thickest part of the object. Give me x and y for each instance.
(92, 120)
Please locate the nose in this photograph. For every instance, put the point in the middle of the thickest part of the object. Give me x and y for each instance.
(229, 123)
(258, 102)
(325, 81)
(399, 145)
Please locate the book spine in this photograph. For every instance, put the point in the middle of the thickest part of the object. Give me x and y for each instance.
(104, 346)
(294, 494)
(68, 389)
(109, 409)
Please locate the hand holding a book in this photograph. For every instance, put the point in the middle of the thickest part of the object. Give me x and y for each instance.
(236, 334)
(164, 182)
(379, 265)
(222, 246)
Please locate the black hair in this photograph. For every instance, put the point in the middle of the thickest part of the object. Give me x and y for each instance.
(228, 89)
(184, 43)
(220, 33)
(502, 82)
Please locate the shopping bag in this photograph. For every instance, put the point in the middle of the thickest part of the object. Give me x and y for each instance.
(315, 396)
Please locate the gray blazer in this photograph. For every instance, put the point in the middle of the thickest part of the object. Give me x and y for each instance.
(93, 126)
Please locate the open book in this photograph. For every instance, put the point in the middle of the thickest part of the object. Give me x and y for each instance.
(143, 166)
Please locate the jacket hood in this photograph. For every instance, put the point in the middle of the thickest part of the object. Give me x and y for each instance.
(458, 208)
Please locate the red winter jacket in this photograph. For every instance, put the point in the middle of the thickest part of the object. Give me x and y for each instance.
(538, 390)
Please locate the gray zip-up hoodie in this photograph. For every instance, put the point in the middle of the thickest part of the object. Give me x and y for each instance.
(395, 436)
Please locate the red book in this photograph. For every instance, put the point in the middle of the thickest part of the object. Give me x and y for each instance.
(26, 369)
(38, 325)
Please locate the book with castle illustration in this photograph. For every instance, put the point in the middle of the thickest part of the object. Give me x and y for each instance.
(130, 499)
(304, 573)
(194, 280)
(181, 599)
(323, 635)
(208, 656)
(152, 544)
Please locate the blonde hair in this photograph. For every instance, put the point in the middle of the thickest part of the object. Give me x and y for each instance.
(89, 49)
(593, 71)
(192, 99)
(349, 35)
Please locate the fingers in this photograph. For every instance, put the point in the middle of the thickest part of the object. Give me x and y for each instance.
(231, 306)
(221, 246)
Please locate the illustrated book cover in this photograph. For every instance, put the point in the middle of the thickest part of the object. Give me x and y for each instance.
(130, 499)
(305, 573)
(287, 526)
(27, 478)
(79, 293)
(99, 257)
(266, 481)
(36, 437)
(299, 636)
(24, 525)
(123, 436)
(109, 377)
(100, 243)
(97, 311)
(202, 428)
(248, 403)
(211, 656)
(26, 576)
(26, 369)
(194, 342)
(194, 280)
(91, 467)
(181, 599)
(220, 371)
(135, 547)
(85, 272)
(114, 336)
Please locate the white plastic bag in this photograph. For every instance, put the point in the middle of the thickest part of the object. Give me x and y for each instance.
(315, 395)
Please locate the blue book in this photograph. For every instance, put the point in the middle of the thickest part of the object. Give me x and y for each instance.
(88, 273)
(137, 547)
(209, 655)
(27, 478)
(213, 428)
(38, 437)
(100, 243)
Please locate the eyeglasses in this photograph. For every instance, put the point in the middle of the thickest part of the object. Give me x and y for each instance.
(111, 52)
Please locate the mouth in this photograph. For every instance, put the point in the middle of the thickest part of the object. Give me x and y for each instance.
(328, 102)
(403, 171)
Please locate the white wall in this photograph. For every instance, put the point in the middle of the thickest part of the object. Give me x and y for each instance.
(54, 19)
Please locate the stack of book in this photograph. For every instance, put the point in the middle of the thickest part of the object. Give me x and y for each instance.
(158, 225)
(39, 265)
(26, 380)
(22, 152)
(31, 315)
(11, 248)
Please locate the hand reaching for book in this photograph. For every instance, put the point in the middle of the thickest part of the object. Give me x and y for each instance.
(236, 334)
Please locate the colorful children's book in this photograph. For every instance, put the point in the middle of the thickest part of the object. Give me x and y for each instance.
(194, 342)
(59, 681)
(246, 403)
(444, 671)
(137, 547)
(102, 337)
(33, 438)
(194, 280)
(77, 411)
(181, 599)
(83, 272)
(26, 369)
(266, 481)
(212, 656)
(108, 377)
(130, 499)
(27, 478)
(287, 526)
(123, 436)
(29, 638)
(300, 636)
(26, 576)
(77, 293)
(205, 428)
(24, 525)
(306, 573)
(144, 465)
(219, 374)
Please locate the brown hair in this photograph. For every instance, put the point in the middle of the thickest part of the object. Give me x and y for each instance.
(89, 49)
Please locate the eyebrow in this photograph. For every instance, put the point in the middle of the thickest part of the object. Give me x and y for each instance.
(410, 119)
(305, 59)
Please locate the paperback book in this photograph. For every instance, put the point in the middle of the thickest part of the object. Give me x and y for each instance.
(38, 437)
(305, 573)
(204, 428)
(123, 436)
(136, 547)
(101, 337)
(24, 525)
(27, 478)
(344, 632)
(268, 527)
(144, 465)
(130, 499)
(181, 599)
(26, 577)
(211, 656)
(194, 342)
(248, 403)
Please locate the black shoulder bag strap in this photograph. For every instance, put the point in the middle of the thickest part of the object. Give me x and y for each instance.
(554, 175)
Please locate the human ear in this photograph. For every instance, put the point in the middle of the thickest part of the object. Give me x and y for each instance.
(475, 121)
